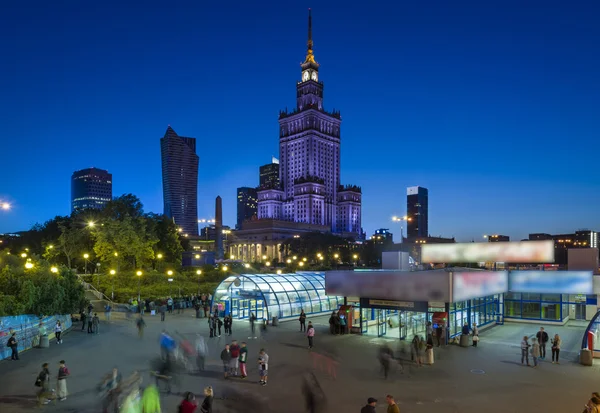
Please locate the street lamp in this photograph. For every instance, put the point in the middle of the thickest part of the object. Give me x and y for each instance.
(289, 261)
(264, 257)
(139, 275)
(91, 224)
(401, 219)
(278, 271)
(294, 258)
(197, 256)
(86, 256)
(28, 265)
(304, 259)
(24, 255)
(53, 270)
(355, 257)
(301, 264)
(268, 264)
(112, 293)
(224, 268)
(336, 256)
(199, 273)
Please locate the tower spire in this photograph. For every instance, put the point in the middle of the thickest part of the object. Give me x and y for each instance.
(310, 57)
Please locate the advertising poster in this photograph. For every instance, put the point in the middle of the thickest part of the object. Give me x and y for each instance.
(525, 252)
(551, 282)
(476, 284)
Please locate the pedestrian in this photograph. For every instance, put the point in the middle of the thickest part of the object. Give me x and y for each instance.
(392, 406)
(226, 359)
(43, 382)
(95, 323)
(82, 318)
(556, 348)
(61, 386)
(163, 311)
(263, 366)
(235, 354)
(542, 338)
(112, 386)
(170, 305)
(336, 322)
(188, 404)
(58, 332)
(226, 324)
(230, 325)
(243, 359)
(13, 344)
(417, 350)
(593, 404)
(332, 323)
(439, 333)
(141, 324)
(535, 351)
(201, 352)
(385, 358)
(429, 356)
(211, 326)
(252, 327)
(525, 350)
(429, 329)
(302, 320)
(151, 400)
(107, 312)
(219, 325)
(370, 406)
(90, 322)
(475, 335)
(206, 406)
(310, 333)
(342, 324)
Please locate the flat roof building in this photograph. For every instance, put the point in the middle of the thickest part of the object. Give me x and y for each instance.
(91, 188)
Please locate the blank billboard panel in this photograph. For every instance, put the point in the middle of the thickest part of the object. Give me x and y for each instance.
(526, 252)
(551, 282)
(476, 284)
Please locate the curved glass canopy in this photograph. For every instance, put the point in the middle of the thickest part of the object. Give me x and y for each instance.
(274, 295)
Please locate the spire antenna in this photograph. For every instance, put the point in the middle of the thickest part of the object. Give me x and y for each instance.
(310, 57)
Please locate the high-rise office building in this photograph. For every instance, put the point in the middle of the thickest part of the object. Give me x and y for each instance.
(91, 188)
(417, 210)
(180, 180)
(309, 154)
(246, 205)
(269, 175)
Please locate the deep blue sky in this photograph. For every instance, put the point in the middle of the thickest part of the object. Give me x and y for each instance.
(493, 106)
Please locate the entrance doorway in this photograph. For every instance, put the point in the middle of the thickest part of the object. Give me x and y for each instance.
(242, 308)
(579, 311)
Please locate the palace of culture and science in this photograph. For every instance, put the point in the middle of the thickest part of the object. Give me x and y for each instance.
(309, 196)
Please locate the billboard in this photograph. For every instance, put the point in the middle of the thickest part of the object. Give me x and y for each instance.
(551, 282)
(511, 252)
(476, 284)
(390, 285)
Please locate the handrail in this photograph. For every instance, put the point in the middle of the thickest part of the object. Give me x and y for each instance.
(89, 287)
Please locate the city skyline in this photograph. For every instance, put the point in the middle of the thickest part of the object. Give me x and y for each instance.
(501, 120)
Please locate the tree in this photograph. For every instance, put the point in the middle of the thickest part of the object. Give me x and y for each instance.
(68, 243)
(168, 237)
(123, 206)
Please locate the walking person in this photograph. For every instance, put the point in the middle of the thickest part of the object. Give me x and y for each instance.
(61, 385)
(542, 338)
(43, 382)
(230, 325)
(310, 334)
(525, 350)
(107, 312)
(201, 352)
(235, 354)
(163, 311)
(90, 321)
(211, 326)
(252, 327)
(141, 324)
(556, 342)
(58, 332)
(82, 316)
(95, 323)
(535, 351)
(370, 406)
(206, 406)
(13, 344)
(429, 330)
(475, 335)
(439, 333)
(219, 325)
(226, 359)
(302, 320)
(392, 406)
(417, 350)
(385, 358)
(243, 359)
(263, 366)
(342, 324)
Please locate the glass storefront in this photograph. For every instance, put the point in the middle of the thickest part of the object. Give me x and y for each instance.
(483, 311)
(547, 307)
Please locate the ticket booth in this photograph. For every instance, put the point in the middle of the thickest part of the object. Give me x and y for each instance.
(352, 316)
(440, 320)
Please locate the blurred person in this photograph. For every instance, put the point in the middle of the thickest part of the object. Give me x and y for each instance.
(392, 406)
(151, 400)
(385, 357)
(440, 334)
(243, 360)
(230, 325)
(252, 327)
(310, 334)
(141, 324)
(343, 324)
(201, 352)
(107, 312)
(429, 359)
(263, 366)
(95, 323)
(219, 325)
(167, 345)
(302, 320)
(90, 322)
(132, 402)
(170, 305)
(314, 397)
(542, 338)
(370, 406)
(163, 311)
(535, 351)
(332, 323)
(226, 360)
(525, 350)
(417, 348)
(206, 406)
(61, 386)
(475, 335)
(111, 388)
(164, 374)
(556, 342)
(429, 329)
(234, 365)
(58, 332)
(188, 404)
(82, 316)
(44, 395)
(226, 324)
(593, 404)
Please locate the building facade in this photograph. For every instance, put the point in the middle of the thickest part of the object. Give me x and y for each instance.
(180, 180)
(91, 188)
(309, 150)
(268, 175)
(498, 238)
(584, 238)
(417, 209)
(247, 200)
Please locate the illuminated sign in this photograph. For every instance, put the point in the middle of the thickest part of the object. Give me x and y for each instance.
(476, 284)
(509, 252)
(551, 282)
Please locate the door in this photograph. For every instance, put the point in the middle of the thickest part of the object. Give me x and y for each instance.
(403, 324)
(381, 323)
(579, 311)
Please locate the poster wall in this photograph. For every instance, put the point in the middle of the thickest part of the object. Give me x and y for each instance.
(551, 282)
(476, 284)
(510, 252)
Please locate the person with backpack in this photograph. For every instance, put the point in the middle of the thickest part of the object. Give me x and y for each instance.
(43, 382)
(13, 344)
(61, 386)
(310, 334)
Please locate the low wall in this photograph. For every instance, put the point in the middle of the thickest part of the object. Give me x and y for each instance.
(27, 328)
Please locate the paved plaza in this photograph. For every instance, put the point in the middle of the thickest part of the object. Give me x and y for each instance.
(488, 378)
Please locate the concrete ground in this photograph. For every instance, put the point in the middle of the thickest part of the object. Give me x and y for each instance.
(488, 378)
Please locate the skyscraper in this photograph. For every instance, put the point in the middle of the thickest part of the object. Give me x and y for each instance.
(309, 153)
(246, 204)
(417, 209)
(269, 174)
(91, 188)
(180, 180)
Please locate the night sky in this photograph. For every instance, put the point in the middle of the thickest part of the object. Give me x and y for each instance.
(493, 106)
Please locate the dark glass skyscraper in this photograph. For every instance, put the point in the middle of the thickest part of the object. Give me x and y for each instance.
(180, 180)
(90, 189)
(247, 199)
(417, 210)
(269, 175)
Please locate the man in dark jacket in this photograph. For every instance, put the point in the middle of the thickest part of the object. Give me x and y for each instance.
(13, 345)
(542, 338)
(226, 359)
(370, 407)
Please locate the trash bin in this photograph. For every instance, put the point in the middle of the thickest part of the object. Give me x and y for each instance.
(585, 357)
(275, 321)
(44, 342)
(464, 340)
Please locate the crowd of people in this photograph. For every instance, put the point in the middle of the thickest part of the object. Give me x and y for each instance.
(537, 348)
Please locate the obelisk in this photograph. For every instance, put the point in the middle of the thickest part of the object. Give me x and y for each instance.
(219, 227)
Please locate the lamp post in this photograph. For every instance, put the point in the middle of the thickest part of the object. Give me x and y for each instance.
(158, 257)
(112, 277)
(170, 280)
(139, 275)
(355, 258)
(86, 256)
(400, 220)
(199, 272)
